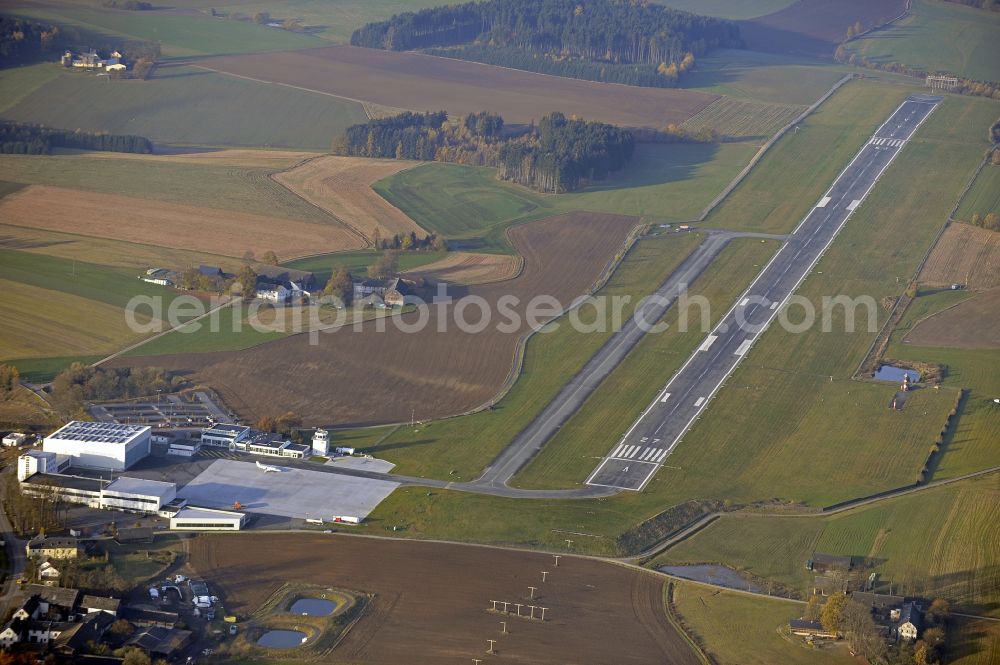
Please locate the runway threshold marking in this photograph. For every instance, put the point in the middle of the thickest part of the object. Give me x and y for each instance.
(743, 303)
(665, 397)
(744, 347)
(699, 401)
(707, 344)
(823, 201)
(854, 204)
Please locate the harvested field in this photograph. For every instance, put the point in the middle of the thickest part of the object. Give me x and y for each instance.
(965, 255)
(422, 82)
(246, 158)
(971, 324)
(342, 187)
(364, 376)
(815, 27)
(430, 599)
(471, 268)
(740, 117)
(151, 222)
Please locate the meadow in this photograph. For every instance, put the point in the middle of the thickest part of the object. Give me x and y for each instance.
(742, 630)
(179, 34)
(937, 542)
(984, 195)
(938, 36)
(663, 183)
(185, 105)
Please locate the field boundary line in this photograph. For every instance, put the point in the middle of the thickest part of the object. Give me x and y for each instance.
(885, 332)
(675, 619)
(735, 182)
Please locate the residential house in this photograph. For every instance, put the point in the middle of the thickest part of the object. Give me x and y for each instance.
(76, 641)
(273, 292)
(53, 548)
(11, 634)
(48, 573)
(911, 622)
(43, 632)
(54, 603)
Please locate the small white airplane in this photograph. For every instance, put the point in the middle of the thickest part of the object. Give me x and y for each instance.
(267, 468)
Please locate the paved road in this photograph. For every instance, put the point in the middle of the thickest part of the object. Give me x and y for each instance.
(633, 461)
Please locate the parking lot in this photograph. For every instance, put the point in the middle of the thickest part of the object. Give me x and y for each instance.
(168, 412)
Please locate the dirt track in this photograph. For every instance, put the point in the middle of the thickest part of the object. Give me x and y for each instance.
(169, 224)
(431, 599)
(426, 83)
(370, 377)
(342, 187)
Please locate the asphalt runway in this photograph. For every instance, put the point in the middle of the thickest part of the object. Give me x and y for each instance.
(636, 458)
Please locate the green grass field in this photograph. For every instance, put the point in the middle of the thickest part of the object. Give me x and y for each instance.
(187, 105)
(459, 448)
(570, 456)
(179, 35)
(671, 182)
(937, 542)
(742, 630)
(984, 195)
(764, 77)
(938, 36)
(243, 189)
(42, 370)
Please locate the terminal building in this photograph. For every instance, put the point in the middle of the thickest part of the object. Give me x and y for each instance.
(100, 445)
(223, 435)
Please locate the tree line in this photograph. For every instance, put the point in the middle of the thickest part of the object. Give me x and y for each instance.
(965, 86)
(25, 139)
(559, 155)
(22, 40)
(79, 383)
(605, 40)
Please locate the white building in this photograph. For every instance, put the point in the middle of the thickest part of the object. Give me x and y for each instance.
(39, 461)
(100, 445)
(321, 443)
(137, 495)
(207, 519)
(224, 435)
(184, 447)
(15, 439)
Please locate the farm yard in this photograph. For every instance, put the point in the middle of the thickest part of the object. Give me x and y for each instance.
(743, 118)
(342, 187)
(148, 222)
(229, 110)
(429, 601)
(372, 377)
(964, 255)
(422, 83)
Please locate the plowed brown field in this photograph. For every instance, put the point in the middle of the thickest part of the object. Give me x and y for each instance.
(342, 187)
(815, 27)
(471, 268)
(430, 599)
(427, 83)
(965, 255)
(365, 376)
(209, 230)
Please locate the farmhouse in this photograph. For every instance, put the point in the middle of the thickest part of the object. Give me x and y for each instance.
(53, 548)
(376, 292)
(821, 563)
(911, 621)
(100, 445)
(100, 604)
(54, 617)
(160, 642)
(47, 572)
(300, 280)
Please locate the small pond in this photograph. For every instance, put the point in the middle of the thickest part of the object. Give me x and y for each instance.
(896, 374)
(313, 607)
(281, 639)
(712, 574)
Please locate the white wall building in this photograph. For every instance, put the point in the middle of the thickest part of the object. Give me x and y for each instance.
(224, 435)
(207, 519)
(321, 443)
(39, 461)
(137, 495)
(100, 445)
(15, 439)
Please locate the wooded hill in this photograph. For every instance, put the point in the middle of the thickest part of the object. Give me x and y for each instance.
(604, 40)
(559, 155)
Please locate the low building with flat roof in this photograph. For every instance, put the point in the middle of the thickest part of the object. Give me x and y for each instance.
(74, 489)
(100, 445)
(138, 495)
(206, 519)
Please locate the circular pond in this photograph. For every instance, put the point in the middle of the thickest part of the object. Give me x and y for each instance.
(313, 607)
(281, 639)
